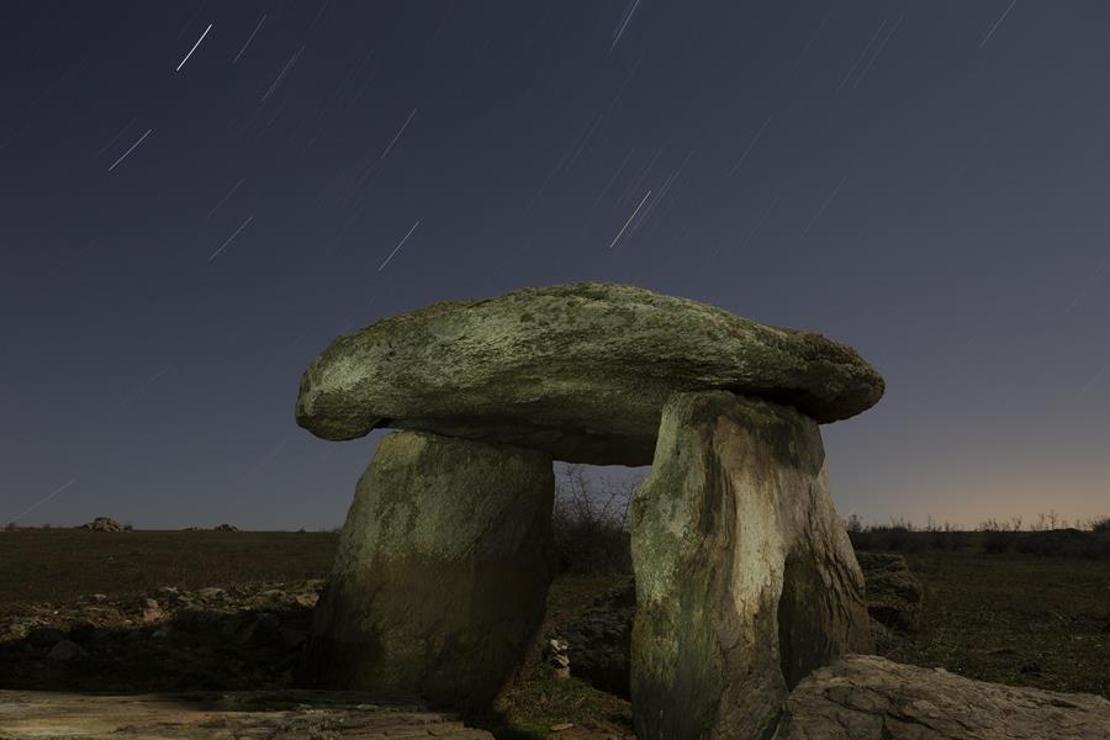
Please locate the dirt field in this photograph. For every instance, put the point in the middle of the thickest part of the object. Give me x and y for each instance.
(1013, 618)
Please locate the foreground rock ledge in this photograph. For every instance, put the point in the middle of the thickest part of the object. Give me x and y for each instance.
(745, 577)
(441, 574)
(284, 715)
(580, 371)
(865, 697)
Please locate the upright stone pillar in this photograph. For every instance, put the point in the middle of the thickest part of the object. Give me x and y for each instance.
(745, 577)
(442, 572)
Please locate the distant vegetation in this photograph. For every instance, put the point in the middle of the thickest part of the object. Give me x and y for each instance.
(591, 530)
(1048, 535)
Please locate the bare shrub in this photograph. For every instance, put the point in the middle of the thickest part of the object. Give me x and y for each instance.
(590, 523)
(998, 535)
(900, 536)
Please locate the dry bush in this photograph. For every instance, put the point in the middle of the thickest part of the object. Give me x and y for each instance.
(590, 523)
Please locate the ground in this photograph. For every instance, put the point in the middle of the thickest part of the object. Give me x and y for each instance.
(1020, 619)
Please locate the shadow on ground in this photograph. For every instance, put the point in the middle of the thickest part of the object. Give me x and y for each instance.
(243, 637)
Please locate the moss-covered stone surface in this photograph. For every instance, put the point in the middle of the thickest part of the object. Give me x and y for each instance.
(441, 574)
(580, 370)
(745, 577)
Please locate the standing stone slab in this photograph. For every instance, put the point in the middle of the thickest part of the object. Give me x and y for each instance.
(442, 572)
(745, 577)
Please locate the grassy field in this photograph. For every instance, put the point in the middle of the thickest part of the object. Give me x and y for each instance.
(51, 565)
(1008, 617)
(1012, 618)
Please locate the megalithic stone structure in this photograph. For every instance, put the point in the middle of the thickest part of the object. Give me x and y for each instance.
(744, 576)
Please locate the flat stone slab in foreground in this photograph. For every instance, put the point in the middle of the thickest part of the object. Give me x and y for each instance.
(580, 371)
(865, 697)
(271, 714)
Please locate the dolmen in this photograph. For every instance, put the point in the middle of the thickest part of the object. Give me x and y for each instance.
(745, 577)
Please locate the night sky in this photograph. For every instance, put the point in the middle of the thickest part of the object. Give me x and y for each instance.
(182, 229)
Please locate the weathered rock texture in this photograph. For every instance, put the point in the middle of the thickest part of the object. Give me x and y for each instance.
(865, 697)
(580, 371)
(441, 574)
(745, 577)
(278, 715)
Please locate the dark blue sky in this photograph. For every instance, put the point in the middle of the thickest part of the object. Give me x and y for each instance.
(926, 181)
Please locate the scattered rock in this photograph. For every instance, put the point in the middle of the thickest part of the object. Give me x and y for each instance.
(865, 697)
(599, 639)
(194, 643)
(580, 371)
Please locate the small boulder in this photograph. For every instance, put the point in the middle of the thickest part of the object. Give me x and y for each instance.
(293, 638)
(43, 637)
(894, 595)
(65, 651)
(104, 524)
(83, 632)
